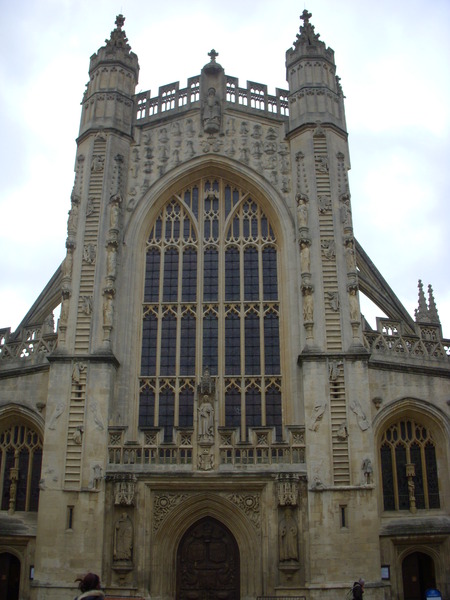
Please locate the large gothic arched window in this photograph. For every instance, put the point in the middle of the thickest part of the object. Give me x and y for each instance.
(211, 302)
(408, 467)
(20, 468)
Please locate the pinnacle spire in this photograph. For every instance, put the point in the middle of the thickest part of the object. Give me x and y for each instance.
(118, 38)
(432, 309)
(426, 313)
(307, 35)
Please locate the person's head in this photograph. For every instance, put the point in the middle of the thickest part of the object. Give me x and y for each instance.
(361, 582)
(90, 581)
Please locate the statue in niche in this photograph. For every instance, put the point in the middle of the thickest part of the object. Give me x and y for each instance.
(305, 264)
(288, 537)
(367, 470)
(353, 302)
(67, 264)
(211, 112)
(206, 420)
(302, 211)
(65, 301)
(108, 310)
(308, 304)
(123, 539)
(324, 203)
(114, 212)
(72, 222)
(350, 256)
(111, 262)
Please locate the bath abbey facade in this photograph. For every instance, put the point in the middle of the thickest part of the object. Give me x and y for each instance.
(210, 415)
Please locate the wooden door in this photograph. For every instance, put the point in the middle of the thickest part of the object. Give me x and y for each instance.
(208, 563)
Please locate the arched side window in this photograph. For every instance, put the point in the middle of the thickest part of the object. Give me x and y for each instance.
(408, 467)
(211, 301)
(20, 468)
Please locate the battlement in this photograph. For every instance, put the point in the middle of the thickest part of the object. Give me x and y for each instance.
(171, 98)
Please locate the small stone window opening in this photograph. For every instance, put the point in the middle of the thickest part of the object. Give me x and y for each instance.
(70, 514)
(343, 516)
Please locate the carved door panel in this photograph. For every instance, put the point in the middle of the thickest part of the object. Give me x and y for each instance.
(208, 563)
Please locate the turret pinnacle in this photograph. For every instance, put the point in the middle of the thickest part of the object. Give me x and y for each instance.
(307, 34)
(117, 49)
(118, 37)
(424, 313)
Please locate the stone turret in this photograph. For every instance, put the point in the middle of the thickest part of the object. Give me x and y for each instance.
(314, 90)
(113, 72)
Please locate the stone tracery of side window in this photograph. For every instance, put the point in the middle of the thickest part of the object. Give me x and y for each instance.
(211, 301)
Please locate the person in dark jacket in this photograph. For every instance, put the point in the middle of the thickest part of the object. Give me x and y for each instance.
(89, 587)
(358, 589)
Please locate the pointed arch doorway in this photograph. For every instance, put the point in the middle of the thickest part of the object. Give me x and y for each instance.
(9, 576)
(418, 575)
(208, 566)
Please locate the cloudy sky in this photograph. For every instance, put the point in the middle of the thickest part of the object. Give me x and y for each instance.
(393, 60)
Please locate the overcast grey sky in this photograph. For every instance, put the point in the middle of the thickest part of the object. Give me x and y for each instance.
(393, 60)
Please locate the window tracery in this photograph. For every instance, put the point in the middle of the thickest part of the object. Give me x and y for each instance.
(211, 301)
(20, 468)
(409, 467)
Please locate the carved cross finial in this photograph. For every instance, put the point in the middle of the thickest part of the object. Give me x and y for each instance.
(213, 54)
(305, 17)
(120, 20)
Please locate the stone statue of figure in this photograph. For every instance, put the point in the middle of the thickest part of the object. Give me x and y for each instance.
(367, 469)
(305, 265)
(123, 538)
(308, 306)
(206, 420)
(211, 112)
(288, 537)
(353, 303)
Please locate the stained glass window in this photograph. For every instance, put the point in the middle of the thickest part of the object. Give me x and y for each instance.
(211, 301)
(21, 454)
(408, 467)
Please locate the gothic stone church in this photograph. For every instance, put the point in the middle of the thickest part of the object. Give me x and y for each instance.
(213, 417)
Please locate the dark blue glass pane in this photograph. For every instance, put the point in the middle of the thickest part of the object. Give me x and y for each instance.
(211, 275)
(387, 477)
(416, 459)
(170, 289)
(151, 291)
(166, 413)
(8, 459)
(270, 280)
(149, 340)
(252, 345)
(253, 408)
(187, 343)
(168, 345)
(432, 476)
(232, 345)
(264, 227)
(233, 408)
(273, 410)
(21, 490)
(251, 274)
(232, 275)
(271, 344)
(227, 200)
(186, 412)
(189, 290)
(157, 233)
(195, 201)
(147, 408)
(400, 459)
(210, 343)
